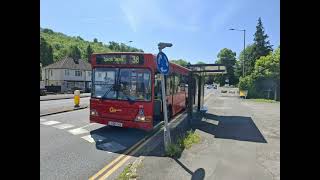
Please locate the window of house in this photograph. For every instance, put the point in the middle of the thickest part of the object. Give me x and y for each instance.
(66, 72)
(51, 72)
(78, 73)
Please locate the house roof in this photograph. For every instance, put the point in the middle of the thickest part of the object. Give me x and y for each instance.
(69, 63)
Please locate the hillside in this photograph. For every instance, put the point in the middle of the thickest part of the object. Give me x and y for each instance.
(61, 43)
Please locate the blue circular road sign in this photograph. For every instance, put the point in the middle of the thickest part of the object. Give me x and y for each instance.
(163, 63)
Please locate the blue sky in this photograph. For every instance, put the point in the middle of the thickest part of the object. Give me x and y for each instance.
(198, 29)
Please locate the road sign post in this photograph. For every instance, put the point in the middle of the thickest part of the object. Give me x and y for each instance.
(163, 67)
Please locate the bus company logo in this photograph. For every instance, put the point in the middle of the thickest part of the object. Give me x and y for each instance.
(112, 110)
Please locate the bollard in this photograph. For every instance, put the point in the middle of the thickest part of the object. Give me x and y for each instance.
(76, 98)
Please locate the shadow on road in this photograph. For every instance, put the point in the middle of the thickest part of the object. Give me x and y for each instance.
(229, 127)
(116, 140)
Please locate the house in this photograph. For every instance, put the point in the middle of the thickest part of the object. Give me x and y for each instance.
(68, 74)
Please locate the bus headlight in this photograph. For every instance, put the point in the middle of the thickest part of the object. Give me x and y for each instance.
(93, 112)
(140, 116)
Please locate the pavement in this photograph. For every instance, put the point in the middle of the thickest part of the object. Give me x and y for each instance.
(240, 139)
(61, 105)
(62, 96)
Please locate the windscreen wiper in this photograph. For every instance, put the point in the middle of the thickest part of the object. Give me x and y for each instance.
(107, 92)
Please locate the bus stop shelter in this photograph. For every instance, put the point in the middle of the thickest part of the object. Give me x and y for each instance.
(196, 82)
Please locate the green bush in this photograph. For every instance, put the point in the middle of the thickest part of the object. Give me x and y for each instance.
(174, 150)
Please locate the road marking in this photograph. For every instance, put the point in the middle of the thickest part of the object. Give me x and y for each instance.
(41, 120)
(121, 162)
(93, 138)
(78, 131)
(48, 123)
(115, 160)
(64, 126)
(87, 125)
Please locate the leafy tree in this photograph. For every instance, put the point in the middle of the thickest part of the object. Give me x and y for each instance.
(200, 62)
(74, 52)
(228, 58)
(46, 53)
(181, 62)
(95, 40)
(266, 75)
(89, 52)
(61, 43)
(267, 68)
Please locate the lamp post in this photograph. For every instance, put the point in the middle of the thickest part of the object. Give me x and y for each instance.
(244, 47)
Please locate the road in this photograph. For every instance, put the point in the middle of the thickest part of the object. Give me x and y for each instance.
(51, 105)
(68, 152)
(72, 148)
(61, 96)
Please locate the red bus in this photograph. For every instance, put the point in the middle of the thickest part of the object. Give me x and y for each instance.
(126, 90)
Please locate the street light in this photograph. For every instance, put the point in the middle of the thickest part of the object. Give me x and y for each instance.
(244, 46)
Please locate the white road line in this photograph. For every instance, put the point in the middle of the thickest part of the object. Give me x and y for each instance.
(93, 138)
(48, 123)
(88, 125)
(41, 120)
(64, 126)
(78, 131)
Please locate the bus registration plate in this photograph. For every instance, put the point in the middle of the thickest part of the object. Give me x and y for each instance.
(111, 123)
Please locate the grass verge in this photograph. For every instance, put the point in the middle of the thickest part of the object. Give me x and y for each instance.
(127, 173)
(175, 149)
(130, 171)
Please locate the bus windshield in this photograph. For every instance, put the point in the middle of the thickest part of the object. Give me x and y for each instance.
(122, 84)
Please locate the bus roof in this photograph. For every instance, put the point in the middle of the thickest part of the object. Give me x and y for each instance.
(121, 53)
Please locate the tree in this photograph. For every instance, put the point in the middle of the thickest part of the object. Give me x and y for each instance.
(267, 69)
(249, 61)
(74, 52)
(228, 58)
(95, 40)
(181, 62)
(89, 52)
(200, 62)
(261, 46)
(46, 53)
(266, 76)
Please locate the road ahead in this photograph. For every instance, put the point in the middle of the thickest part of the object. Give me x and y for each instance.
(48, 106)
(72, 148)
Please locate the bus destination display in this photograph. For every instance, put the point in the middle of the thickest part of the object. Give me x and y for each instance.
(119, 59)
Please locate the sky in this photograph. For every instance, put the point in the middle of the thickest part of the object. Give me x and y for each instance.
(198, 29)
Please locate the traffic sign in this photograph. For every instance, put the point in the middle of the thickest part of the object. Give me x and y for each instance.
(163, 63)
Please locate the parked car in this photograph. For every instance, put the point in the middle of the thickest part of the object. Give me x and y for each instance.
(43, 91)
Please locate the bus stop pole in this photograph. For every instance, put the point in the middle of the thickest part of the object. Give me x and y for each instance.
(166, 132)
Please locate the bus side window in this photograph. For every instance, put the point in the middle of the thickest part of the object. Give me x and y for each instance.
(157, 87)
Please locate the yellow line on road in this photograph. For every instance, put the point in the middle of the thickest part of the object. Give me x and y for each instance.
(114, 161)
(121, 162)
